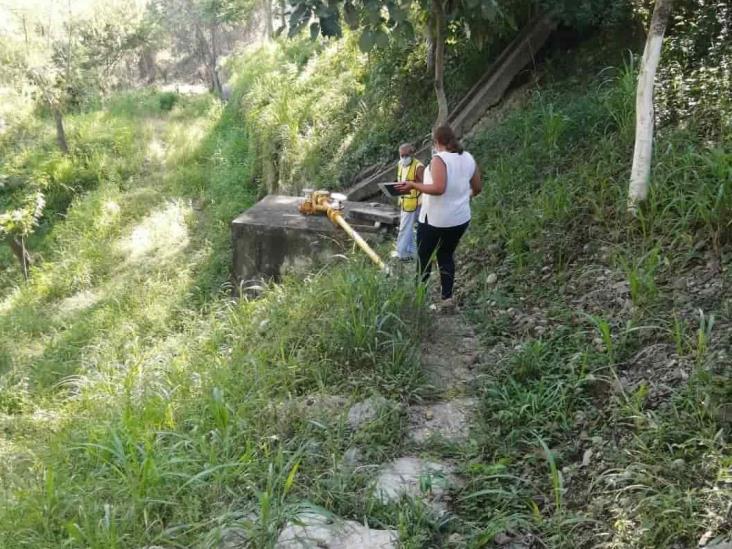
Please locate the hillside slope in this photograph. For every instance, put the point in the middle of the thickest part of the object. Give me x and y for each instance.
(140, 406)
(610, 336)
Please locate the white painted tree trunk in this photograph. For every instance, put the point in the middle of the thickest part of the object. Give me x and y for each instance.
(640, 173)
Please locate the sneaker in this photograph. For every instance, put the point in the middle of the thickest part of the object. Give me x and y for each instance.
(448, 305)
(406, 259)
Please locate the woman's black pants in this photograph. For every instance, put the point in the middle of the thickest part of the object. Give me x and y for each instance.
(440, 242)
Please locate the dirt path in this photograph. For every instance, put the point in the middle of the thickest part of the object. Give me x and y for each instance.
(449, 357)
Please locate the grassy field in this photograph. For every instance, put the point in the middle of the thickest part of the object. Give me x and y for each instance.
(140, 405)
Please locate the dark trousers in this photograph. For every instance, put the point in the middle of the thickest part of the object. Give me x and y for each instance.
(441, 242)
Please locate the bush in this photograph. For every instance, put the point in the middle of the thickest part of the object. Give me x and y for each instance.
(695, 74)
(140, 103)
(167, 100)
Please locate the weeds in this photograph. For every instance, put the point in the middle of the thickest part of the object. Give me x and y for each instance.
(703, 337)
(641, 275)
(606, 336)
(555, 476)
(679, 334)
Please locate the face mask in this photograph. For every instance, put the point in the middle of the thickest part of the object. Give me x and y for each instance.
(406, 161)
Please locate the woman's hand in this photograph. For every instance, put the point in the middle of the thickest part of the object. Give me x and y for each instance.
(404, 186)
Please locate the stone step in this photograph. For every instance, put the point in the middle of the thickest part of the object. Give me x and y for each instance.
(313, 530)
(448, 420)
(417, 478)
(366, 411)
(449, 357)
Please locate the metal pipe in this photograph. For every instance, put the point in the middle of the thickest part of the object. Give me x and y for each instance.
(336, 217)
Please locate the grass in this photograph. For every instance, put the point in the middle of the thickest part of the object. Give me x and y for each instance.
(586, 377)
(140, 405)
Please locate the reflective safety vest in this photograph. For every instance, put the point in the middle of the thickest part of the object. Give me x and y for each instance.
(409, 202)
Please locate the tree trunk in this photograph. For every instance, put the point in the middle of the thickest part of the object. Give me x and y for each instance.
(283, 15)
(215, 80)
(440, 26)
(430, 48)
(60, 132)
(640, 173)
(25, 33)
(146, 66)
(20, 252)
(209, 58)
(69, 28)
(268, 24)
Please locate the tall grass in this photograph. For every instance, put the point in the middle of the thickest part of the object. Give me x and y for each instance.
(140, 405)
(556, 179)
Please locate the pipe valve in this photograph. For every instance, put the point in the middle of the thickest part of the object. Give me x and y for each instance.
(323, 202)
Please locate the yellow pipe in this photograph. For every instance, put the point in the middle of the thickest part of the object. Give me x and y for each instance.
(336, 217)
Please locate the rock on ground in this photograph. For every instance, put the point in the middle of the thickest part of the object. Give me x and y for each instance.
(311, 530)
(719, 544)
(234, 537)
(417, 478)
(366, 411)
(315, 406)
(449, 420)
(353, 456)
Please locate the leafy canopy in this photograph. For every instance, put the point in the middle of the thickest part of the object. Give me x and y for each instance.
(381, 19)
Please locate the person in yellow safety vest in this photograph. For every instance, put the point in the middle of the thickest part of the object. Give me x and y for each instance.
(409, 169)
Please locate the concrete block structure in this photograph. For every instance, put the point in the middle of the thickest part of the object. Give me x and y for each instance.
(273, 237)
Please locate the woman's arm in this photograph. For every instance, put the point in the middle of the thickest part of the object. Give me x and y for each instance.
(476, 185)
(420, 174)
(439, 179)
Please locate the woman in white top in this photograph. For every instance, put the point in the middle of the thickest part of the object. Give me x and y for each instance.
(450, 181)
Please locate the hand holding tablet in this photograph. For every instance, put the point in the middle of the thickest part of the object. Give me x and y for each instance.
(391, 189)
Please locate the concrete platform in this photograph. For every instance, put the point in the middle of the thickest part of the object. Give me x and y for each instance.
(273, 237)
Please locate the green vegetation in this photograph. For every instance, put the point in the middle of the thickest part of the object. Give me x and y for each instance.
(140, 405)
(318, 113)
(603, 303)
(134, 394)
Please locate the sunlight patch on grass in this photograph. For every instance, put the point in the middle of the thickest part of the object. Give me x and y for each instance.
(7, 303)
(14, 108)
(156, 150)
(78, 302)
(31, 350)
(10, 452)
(161, 235)
(109, 215)
(184, 138)
(111, 207)
(146, 375)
